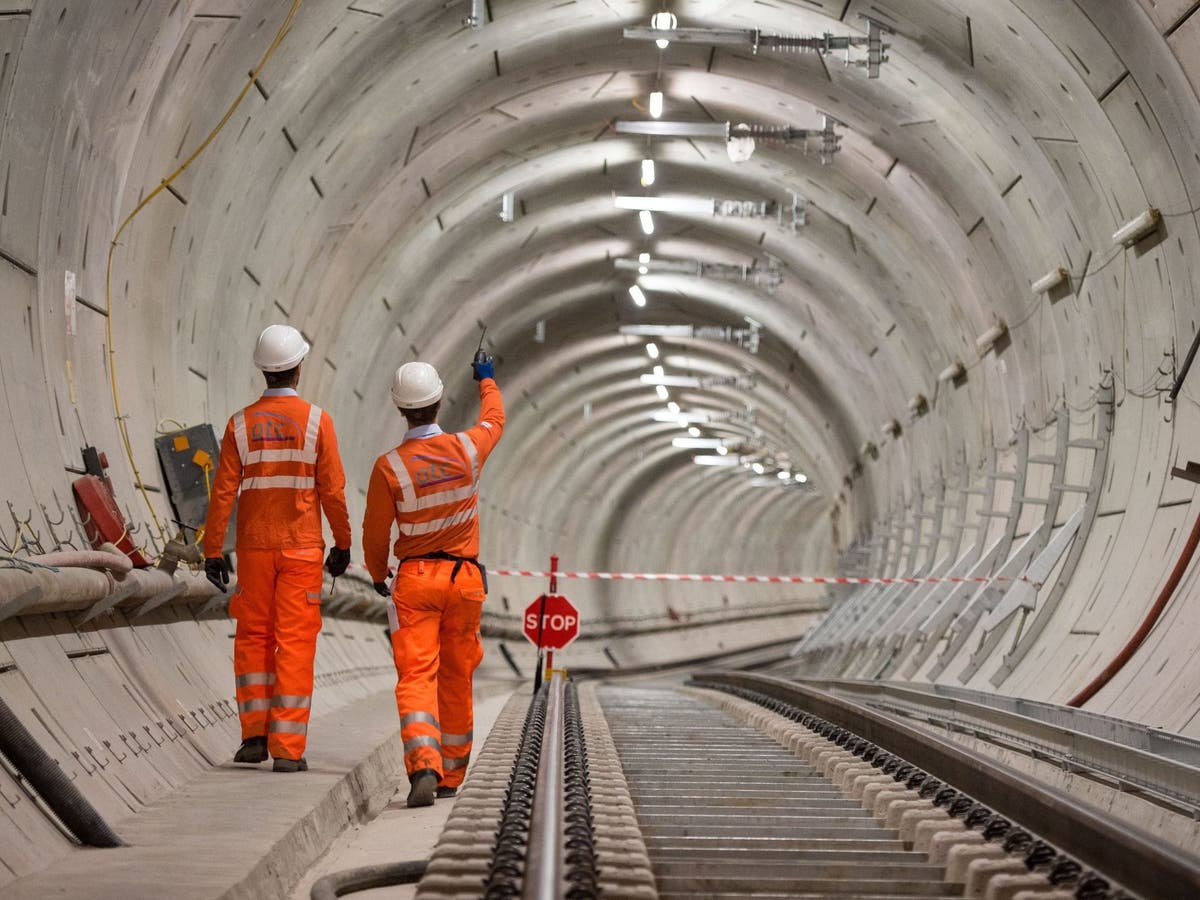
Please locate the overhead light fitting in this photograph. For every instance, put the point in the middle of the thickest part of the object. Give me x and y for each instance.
(756, 40)
(830, 139)
(758, 468)
(768, 276)
(652, 349)
(647, 221)
(801, 478)
(639, 298)
(647, 172)
(1137, 228)
(662, 393)
(508, 201)
(988, 339)
(747, 338)
(656, 104)
(663, 21)
(682, 418)
(722, 450)
(703, 205)
(658, 373)
(715, 460)
(673, 407)
(1049, 281)
(694, 432)
(952, 372)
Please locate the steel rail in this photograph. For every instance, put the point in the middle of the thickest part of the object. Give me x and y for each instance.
(544, 863)
(1080, 742)
(1137, 860)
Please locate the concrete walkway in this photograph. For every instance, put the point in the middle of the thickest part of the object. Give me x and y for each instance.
(246, 832)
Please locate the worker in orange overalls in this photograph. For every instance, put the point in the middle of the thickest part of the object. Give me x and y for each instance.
(428, 486)
(280, 462)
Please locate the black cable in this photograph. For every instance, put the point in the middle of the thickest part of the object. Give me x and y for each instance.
(351, 881)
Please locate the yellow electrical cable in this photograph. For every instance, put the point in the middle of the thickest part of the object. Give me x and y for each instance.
(112, 362)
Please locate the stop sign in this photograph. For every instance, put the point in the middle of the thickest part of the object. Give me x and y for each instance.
(556, 623)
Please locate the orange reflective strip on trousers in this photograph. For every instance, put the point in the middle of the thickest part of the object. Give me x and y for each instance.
(278, 610)
(437, 649)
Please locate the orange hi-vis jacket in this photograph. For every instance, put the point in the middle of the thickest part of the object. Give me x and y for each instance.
(279, 460)
(429, 487)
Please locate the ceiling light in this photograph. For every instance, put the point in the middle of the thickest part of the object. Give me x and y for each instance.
(647, 221)
(643, 258)
(1049, 281)
(639, 299)
(705, 206)
(662, 394)
(688, 381)
(673, 406)
(722, 450)
(647, 172)
(694, 432)
(758, 468)
(1135, 229)
(801, 477)
(652, 349)
(698, 443)
(715, 460)
(656, 104)
(663, 21)
(642, 270)
(658, 373)
(683, 418)
(783, 476)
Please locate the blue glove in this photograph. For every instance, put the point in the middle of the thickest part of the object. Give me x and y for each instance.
(483, 367)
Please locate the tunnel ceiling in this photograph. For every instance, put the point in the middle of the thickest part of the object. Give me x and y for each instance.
(356, 193)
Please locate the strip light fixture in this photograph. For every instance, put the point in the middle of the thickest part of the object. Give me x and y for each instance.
(647, 221)
(647, 172)
(639, 298)
(656, 104)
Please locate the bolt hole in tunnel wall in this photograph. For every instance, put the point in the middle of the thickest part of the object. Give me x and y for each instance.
(1002, 195)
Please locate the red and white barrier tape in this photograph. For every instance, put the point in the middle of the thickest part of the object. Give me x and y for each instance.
(749, 579)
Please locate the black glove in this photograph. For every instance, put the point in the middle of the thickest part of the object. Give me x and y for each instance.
(381, 589)
(337, 561)
(217, 572)
(483, 367)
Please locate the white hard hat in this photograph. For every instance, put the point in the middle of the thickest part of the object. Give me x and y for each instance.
(279, 348)
(416, 385)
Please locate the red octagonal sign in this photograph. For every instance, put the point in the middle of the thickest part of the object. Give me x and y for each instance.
(552, 626)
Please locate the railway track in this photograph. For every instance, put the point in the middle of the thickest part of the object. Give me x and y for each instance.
(745, 785)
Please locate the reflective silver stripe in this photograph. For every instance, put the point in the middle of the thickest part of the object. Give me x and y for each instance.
(292, 701)
(469, 446)
(438, 524)
(454, 763)
(295, 482)
(254, 705)
(310, 434)
(255, 678)
(457, 740)
(402, 476)
(437, 499)
(239, 435)
(301, 456)
(423, 740)
(278, 725)
(412, 717)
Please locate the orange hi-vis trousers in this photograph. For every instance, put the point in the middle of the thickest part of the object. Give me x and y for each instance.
(277, 605)
(436, 645)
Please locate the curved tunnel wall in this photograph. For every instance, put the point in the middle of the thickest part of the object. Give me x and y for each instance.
(354, 194)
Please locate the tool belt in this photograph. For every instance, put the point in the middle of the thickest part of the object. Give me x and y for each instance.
(458, 563)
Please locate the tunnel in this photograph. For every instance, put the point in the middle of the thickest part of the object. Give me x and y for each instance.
(874, 317)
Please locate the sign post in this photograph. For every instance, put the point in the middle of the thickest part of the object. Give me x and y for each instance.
(550, 623)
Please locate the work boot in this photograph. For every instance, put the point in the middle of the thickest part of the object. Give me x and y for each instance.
(253, 750)
(444, 791)
(424, 786)
(290, 765)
